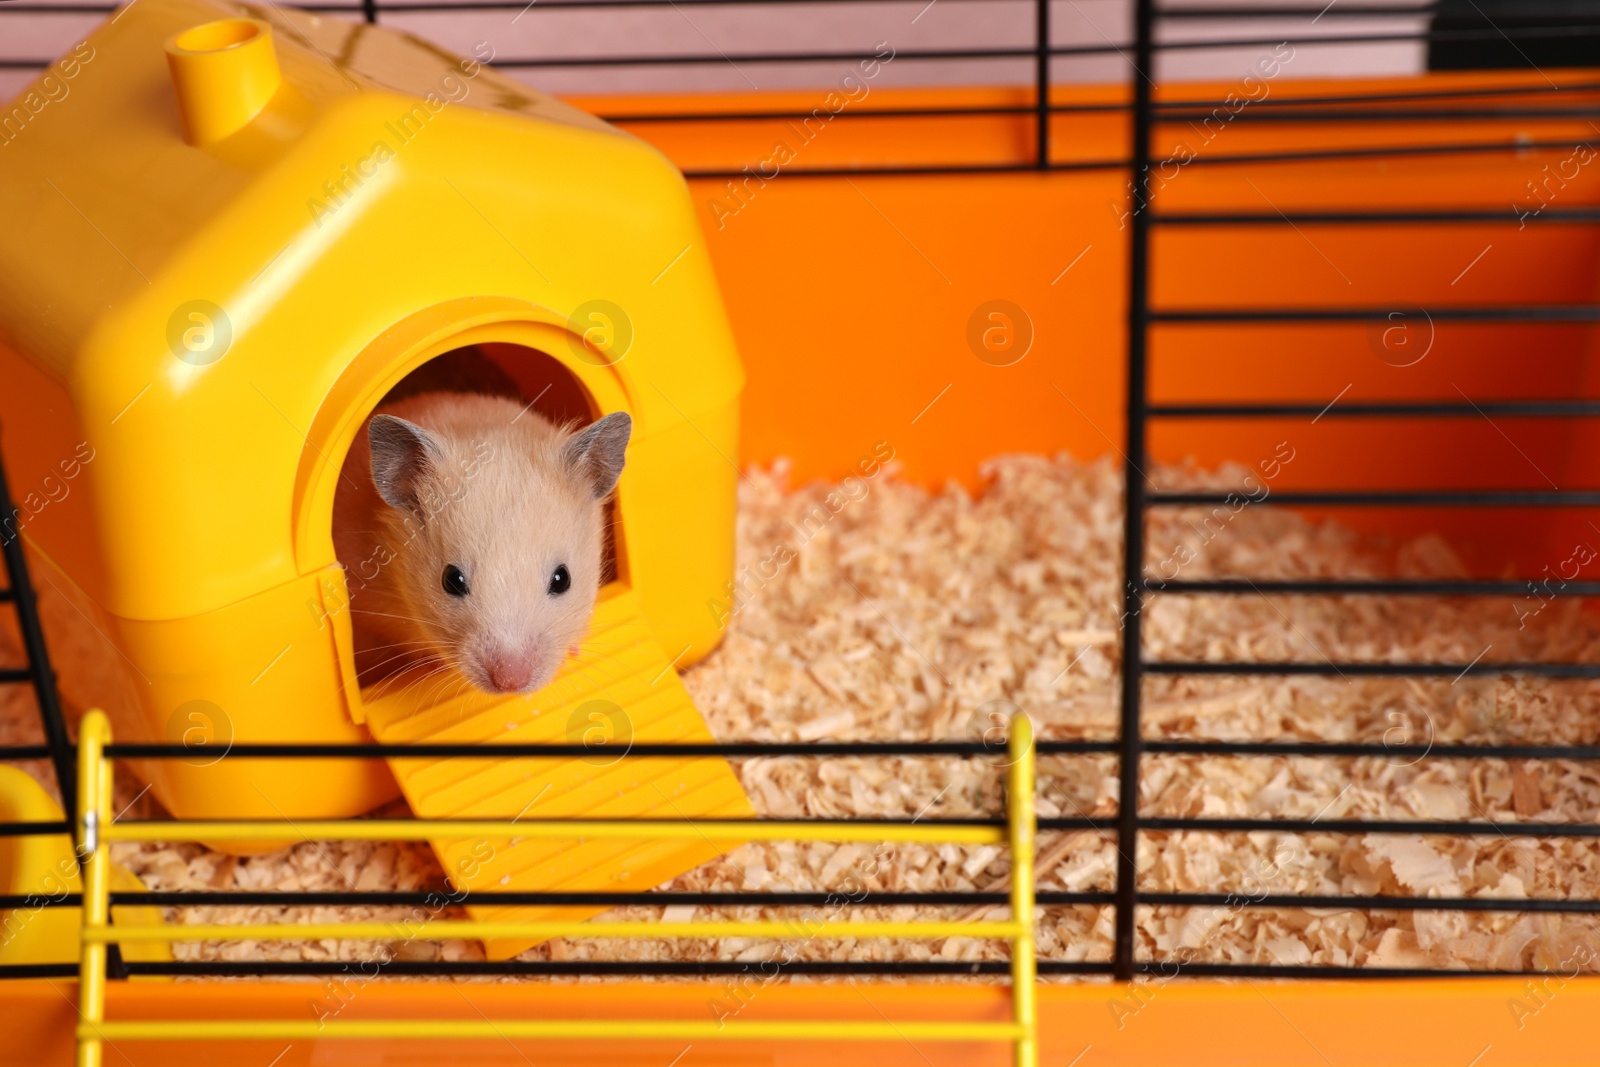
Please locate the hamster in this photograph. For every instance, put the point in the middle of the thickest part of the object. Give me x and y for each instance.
(471, 530)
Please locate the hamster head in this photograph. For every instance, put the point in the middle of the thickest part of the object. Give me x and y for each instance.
(502, 532)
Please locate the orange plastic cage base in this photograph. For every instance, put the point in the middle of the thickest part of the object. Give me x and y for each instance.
(1490, 1022)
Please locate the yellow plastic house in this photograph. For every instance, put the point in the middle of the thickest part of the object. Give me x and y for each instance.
(233, 231)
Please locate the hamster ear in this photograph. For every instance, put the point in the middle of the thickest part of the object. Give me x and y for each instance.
(401, 453)
(595, 453)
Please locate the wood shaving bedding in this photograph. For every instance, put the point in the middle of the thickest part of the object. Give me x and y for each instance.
(921, 615)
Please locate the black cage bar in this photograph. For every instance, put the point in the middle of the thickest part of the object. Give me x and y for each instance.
(36, 671)
(1144, 317)
(1145, 114)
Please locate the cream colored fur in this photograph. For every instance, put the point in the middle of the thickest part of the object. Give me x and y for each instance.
(505, 501)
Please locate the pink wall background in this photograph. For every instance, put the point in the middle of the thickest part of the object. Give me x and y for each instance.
(841, 25)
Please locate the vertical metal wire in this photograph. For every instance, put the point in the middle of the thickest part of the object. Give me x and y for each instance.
(1134, 495)
(369, 10)
(44, 677)
(1041, 98)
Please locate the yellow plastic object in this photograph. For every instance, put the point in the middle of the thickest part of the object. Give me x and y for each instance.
(187, 352)
(223, 74)
(94, 1029)
(608, 703)
(45, 868)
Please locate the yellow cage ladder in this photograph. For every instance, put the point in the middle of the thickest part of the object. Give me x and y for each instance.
(97, 832)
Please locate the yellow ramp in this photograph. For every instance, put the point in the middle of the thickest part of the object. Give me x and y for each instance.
(622, 690)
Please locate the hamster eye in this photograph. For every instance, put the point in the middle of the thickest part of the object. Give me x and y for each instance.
(454, 582)
(560, 581)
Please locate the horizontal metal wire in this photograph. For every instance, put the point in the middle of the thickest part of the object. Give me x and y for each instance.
(1424, 498)
(1160, 107)
(10, 675)
(901, 171)
(862, 829)
(1059, 51)
(694, 968)
(1376, 670)
(1392, 151)
(1319, 155)
(445, 896)
(503, 1029)
(138, 829)
(582, 929)
(1404, 755)
(1026, 52)
(1319, 10)
(1579, 30)
(702, 968)
(1391, 96)
(553, 968)
(1439, 827)
(1045, 898)
(34, 829)
(688, 59)
(975, 831)
(371, 830)
(1180, 110)
(681, 968)
(1369, 587)
(754, 58)
(38, 970)
(1164, 824)
(1369, 902)
(1570, 30)
(1387, 409)
(1095, 747)
(21, 752)
(876, 113)
(1173, 968)
(355, 7)
(1311, 116)
(1491, 313)
(1418, 216)
(1319, 116)
(496, 750)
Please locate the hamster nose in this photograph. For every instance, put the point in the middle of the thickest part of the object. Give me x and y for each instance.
(511, 671)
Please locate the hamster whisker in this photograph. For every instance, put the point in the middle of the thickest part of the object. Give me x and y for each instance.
(409, 647)
(383, 681)
(447, 675)
(398, 644)
(387, 615)
(424, 654)
(413, 682)
(399, 657)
